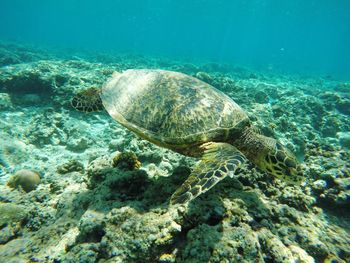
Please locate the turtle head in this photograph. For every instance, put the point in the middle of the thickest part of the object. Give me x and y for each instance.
(282, 163)
(88, 100)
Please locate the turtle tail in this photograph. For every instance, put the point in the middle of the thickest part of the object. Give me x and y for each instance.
(88, 100)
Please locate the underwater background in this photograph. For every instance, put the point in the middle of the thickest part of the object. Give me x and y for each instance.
(308, 37)
(80, 187)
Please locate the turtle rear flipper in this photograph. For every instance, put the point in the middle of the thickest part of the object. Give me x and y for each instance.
(218, 161)
(88, 100)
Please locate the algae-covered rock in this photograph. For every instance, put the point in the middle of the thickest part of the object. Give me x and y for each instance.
(70, 166)
(91, 227)
(12, 150)
(116, 184)
(85, 252)
(330, 126)
(55, 81)
(15, 53)
(276, 250)
(38, 217)
(261, 97)
(300, 254)
(5, 101)
(27, 180)
(213, 244)
(344, 139)
(126, 161)
(46, 129)
(343, 106)
(11, 213)
(131, 235)
(78, 144)
(111, 214)
(204, 77)
(319, 185)
(9, 232)
(26, 81)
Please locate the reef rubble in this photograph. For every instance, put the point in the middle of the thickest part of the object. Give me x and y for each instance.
(93, 204)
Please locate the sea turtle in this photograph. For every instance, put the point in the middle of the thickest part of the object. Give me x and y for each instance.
(189, 116)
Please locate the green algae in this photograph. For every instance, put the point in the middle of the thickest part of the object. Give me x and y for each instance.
(11, 213)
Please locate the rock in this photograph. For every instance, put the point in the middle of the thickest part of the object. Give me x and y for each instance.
(11, 218)
(343, 105)
(8, 58)
(167, 258)
(330, 126)
(133, 235)
(343, 186)
(5, 101)
(91, 227)
(297, 198)
(14, 249)
(344, 139)
(277, 110)
(11, 213)
(78, 144)
(343, 183)
(46, 128)
(12, 151)
(301, 255)
(70, 166)
(16, 54)
(9, 232)
(204, 77)
(26, 81)
(126, 185)
(343, 87)
(338, 195)
(109, 214)
(277, 251)
(54, 80)
(232, 244)
(27, 180)
(98, 170)
(126, 161)
(85, 252)
(39, 217)
(343, 198)
(31, 99)
(319, 185)
(261, 97)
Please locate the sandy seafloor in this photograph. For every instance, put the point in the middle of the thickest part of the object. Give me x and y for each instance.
(87, 210)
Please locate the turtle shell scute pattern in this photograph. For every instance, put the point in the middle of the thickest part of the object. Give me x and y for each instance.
(171, 107)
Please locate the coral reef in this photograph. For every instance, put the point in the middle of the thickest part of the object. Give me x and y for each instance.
(26, 180)
(13, 53)
(11, 213)
(96, 203)
(11, 218)
(126, 161)
(70, 166)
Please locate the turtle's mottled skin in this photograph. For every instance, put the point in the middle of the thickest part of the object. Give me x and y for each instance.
(187, 115)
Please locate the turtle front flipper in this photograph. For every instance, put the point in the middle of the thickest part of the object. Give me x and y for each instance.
(88, 100)
(218, 161)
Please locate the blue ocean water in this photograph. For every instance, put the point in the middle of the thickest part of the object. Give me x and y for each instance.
(307, 37)
(85, 187)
